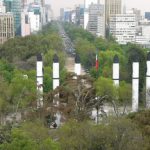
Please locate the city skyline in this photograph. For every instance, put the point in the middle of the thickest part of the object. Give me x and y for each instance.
(57, 4)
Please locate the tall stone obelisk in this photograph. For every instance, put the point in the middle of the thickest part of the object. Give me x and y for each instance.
(77, 68)
(135, 84)
(148, 82)
(116, 70)
(55, 85)
(39, 76)
(55, 72)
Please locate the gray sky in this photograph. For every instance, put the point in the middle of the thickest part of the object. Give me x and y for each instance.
(57, 4)
(144, 5)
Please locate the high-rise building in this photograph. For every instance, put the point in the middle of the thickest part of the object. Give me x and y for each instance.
(147, 15)
(62, 14)
(2, 7)
(101, 27)
(24, 3)
(40, 2)
(112, 7)
(48, 13)
(35, 24)
(96, 23)
(34, 12)
(8, 5)
(6, 27)
(16, 10)
(143, 35)
(25, 24)
(1, 3)
(14, 6)
(123, 27)
(67, 14)
(87, 3)
(86, 19)
(137, 13)
(79, 15)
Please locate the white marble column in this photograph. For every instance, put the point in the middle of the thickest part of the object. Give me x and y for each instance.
(55, 72)
(56, 83)
(135, 85)
(116, 70)
(148, 82)
(77, 68)
(39, 76)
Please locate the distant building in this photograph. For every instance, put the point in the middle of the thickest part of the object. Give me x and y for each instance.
(87, 3)
(25, 24)
(112, 7)
(67, 15)
(48, 13)
(2, 7)
(136, 12)
(14, 6)
(86, 19)
(34, 19)
(147, 15)
(80, 15)
(96, 22)
(26, 2)
(61, 14)
(142, 41)
(40, 2)
(6, 27)
(73, 16)
(123, 27)
(8, 5)
(143, 34)
(101, 27)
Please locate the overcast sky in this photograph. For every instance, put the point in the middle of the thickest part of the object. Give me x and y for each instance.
(144, 5)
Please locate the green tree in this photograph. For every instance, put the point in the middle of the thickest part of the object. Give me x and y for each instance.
(86, 50)
(48, 58)
(106, 61)
(6, 70)
(104, 86)
(142, 120)
(30, 135)
(101, 44)
(75, 32)
(22, 91)
(4, 99)
(124, 95)
(115, 133)
(117, 96)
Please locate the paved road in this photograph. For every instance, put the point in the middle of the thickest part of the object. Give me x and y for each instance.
(68, 45)
(70, 65)
(69, 49)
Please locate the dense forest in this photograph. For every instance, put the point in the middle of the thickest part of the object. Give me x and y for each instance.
(120, 131)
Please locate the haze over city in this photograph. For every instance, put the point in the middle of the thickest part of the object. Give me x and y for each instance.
(143, 5)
